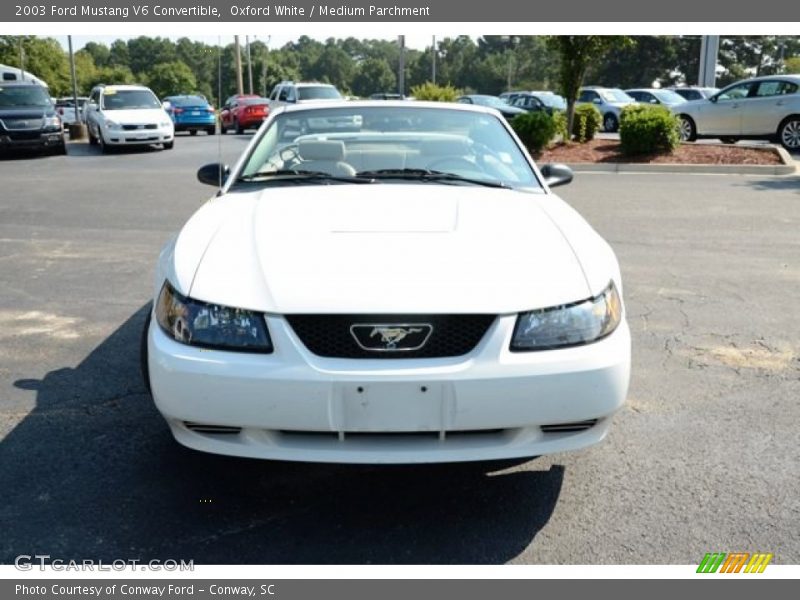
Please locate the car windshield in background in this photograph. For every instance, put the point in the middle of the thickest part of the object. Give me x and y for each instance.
(668, 97)
(318, 92)
(490, 101)
(129, 99)
(368, 144)
(251, 101)
(553, 101)
(189, 101)
(615, 96)
(23, 95)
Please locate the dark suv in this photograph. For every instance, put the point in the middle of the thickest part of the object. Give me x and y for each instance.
(28, 119)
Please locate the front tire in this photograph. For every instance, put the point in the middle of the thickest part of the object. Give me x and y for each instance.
(193, 132)
(610, 123)
(211, 130)
(104, 148)
(169, 145)
(143, 364)
(789, 133)
(239, 128)
(688, 130)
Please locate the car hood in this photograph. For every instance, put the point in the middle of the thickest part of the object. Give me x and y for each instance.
(137, 116)
(379, 248)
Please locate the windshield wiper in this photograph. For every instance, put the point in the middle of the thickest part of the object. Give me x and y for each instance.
(429, 175)
(300, 175)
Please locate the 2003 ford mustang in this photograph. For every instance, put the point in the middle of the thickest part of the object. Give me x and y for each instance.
(387, 282)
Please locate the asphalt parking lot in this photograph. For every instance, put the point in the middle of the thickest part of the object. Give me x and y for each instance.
(705, 456)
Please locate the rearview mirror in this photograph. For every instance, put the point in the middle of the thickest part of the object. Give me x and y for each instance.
(215, 174)
(556, 174)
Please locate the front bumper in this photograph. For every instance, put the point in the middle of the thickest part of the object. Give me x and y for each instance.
(293, 405)
(122, 137)
(31, 139)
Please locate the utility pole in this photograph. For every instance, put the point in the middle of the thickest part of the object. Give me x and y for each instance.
(238, 55)
(249, 64)
(21, 60)
(401, 66)
(433, 62)
(76, 129)
(709, 49)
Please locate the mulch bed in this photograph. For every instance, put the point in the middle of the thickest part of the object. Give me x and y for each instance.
(608, 151)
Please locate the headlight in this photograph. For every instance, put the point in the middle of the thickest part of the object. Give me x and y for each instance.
(209, 325)
(52, 122)
(568, 324)
(113, 125)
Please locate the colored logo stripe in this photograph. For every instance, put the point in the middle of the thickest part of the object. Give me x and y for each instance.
(733, 562)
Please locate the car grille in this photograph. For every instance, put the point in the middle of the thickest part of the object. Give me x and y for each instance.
(329, 335)
(569, 427)
(23, 124)
(211, 429)
(137, 127)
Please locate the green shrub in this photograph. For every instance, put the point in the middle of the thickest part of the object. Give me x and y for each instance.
(586, 123)
(560, 120)
(535, 129)
(648, 129)
(435, 93)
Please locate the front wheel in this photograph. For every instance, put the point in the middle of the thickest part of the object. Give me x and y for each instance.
(610, 123)
(211, 131)
(168, 145)
(239, 128)
(193, 132)
(789, 133)
(688, 130)
(143, 365)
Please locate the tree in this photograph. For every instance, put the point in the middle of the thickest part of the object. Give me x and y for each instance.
(171, 78)
(792, 65)
(44, 58)
(100, 53)
(373, 75)
(577, 53)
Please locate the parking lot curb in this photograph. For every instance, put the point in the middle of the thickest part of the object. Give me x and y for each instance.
(787, 167)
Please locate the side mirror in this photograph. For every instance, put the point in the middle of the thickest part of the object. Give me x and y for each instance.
(556, 174)
(215, 174)
(713, 99)
(597, 101)
(166, 105)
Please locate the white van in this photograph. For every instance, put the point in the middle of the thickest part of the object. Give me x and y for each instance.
(15, 74)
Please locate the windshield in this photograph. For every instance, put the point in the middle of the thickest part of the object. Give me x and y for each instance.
(188, 101)
(553, 101)
(129, 99)
(490, 101)
(318, 92)
(24, 95)
(371, 144)
(615, 96)
(668, 97)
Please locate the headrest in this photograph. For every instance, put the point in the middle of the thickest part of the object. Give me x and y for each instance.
(321, 150)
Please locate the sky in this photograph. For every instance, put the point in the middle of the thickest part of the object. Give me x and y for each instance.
(419, 41)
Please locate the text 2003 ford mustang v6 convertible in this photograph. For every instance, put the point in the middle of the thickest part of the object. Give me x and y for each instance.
(387, 282)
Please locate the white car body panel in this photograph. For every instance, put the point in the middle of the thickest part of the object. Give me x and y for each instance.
(393, 248)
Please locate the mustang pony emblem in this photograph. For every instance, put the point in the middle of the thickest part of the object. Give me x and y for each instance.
(391, 335)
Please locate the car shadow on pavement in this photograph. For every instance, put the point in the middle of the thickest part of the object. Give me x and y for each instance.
(93, 472)
(84, 149)
(786, 183)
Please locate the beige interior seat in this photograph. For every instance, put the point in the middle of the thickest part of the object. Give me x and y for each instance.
(324, 155)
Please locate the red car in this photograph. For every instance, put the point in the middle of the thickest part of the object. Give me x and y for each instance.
(243, 112)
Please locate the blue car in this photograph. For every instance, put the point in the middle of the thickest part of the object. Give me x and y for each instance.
(191, 113)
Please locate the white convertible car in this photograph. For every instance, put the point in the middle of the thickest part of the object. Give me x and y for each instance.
(387, 282)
